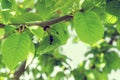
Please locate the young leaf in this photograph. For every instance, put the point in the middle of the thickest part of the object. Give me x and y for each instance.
(88, 27)
(99, 75)
(26, 17)
(14, 49)
(110, 19)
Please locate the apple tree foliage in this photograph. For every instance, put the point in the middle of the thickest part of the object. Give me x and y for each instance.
(35, 29)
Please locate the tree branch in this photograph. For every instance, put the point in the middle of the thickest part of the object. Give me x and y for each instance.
(53, 21)
(44, 23)
(2, 25)
(21, 68)
(19, 71)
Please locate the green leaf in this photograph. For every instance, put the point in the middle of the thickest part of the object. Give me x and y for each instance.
(47, 63)
(14, 49)
(78, 75)
(42, 9)
(28, 3)
(61, 32)
(60, 76)
(6, 15)
(37, 31)
(50, 3)
(100, 11)
(31, 54)
(88, 27)
(110, 19)
(118, 26)
(60, 3)
(87, 4)
(47, 44)
(99, 75)
(113, 7)
(2, 32)
(112, 60)
(90, 75)
(9, 30)
(68, 4)
(25, 17)
(118, 44)
(6, 4)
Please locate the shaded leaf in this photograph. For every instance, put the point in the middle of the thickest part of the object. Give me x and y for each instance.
(9, 30)
(47, 63)
(47, 44)
(112, 60)
(113, 7)
(6, 4)
(118, 44)
(59, 76)
(6, 15)
(61, 32)
(118, 26)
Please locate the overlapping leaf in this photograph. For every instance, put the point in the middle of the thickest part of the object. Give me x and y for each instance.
(112, 60)
(61, 32)
(37, 31)
(48, 44)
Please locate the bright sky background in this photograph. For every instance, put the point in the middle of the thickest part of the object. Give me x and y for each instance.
(76, 53)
